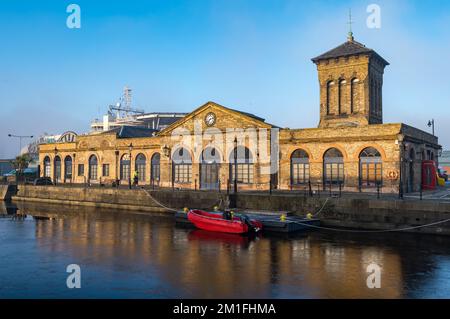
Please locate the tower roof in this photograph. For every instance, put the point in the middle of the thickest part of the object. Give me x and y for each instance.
(349, 48)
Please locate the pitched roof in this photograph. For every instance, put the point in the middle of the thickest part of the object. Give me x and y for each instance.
(209, 104)
(247, 114)
(132, 132)
(347, 49)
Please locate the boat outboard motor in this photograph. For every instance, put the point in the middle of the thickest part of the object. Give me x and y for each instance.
(245, 219)
(226, 215)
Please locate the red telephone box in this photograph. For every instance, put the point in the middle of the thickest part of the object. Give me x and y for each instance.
(429, 175)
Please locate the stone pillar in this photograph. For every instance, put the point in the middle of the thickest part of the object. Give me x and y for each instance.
(195, 175)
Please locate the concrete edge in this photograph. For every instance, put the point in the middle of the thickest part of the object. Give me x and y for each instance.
(92, 204)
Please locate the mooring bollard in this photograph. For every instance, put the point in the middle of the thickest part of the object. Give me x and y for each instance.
(310, 189)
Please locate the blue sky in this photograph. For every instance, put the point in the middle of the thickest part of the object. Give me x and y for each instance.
(253, 55)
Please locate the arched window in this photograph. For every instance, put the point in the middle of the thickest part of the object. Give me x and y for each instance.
(377, 98)
(244, 165)
(93, 168)
(181, 166)
(354, 95)
(333, 169)
(156, 167)
(57, 168)
(329, 93)
(141, 163)
(209, 168)
(47, 167)
(68, 168)
(299, 167)
(341, 103)
(370, 167)
(125, 167)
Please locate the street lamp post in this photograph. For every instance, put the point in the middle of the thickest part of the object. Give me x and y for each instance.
(117, 168)
(431, 124)
(129, 175)
(235, 165)
(20, 137)
(54, 167)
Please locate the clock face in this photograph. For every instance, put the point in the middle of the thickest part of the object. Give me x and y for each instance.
(210, 119)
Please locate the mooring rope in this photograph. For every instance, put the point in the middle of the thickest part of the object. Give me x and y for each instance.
(158, 202)
(323, 206)
(164, 206)
(321, 227)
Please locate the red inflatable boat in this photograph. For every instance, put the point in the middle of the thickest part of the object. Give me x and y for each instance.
(216, 222)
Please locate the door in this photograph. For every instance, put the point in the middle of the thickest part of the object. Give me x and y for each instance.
(209, 176)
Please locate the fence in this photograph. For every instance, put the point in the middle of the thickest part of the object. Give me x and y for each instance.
(309, 189)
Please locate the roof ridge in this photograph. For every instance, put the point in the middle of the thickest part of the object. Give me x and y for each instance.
(345, 49)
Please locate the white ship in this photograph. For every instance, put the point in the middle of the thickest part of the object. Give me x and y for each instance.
(123, 114)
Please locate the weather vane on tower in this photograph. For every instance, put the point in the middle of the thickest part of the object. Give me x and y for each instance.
(350, 22)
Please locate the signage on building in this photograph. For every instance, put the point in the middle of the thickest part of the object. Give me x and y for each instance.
(68, 137)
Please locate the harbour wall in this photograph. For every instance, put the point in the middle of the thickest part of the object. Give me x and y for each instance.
(7, 192)
(118, 198)
(346, 212)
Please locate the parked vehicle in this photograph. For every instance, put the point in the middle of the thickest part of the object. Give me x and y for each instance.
(43, 181)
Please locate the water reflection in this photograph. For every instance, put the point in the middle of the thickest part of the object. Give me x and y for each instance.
(137, 255)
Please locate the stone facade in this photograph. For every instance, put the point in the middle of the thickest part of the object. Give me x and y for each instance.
(350, 126)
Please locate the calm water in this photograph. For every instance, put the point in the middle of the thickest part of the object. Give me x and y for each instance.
(140, 256)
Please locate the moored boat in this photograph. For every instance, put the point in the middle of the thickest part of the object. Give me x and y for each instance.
(217, 222)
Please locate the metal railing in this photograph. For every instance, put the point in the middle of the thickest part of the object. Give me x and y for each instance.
(309, 189)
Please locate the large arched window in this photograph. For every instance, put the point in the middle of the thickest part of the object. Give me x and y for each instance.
(244, 167)
(125, 167)
(47, 167)
(57, 169)
(93, 168)
(156, 167)
(181, 166)
(333, 167)
(141, 163)
(370, 167)
(342, 84)
(209, 168)
(68, 168)
(299, 167)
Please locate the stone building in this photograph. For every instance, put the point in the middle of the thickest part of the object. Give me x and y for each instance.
(211, 146)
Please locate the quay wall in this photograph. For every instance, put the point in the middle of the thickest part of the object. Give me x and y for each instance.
(346, 212)
(359, 213)
(7, 191)
(118, 198)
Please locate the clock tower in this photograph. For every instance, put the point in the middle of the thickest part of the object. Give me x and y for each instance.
(351, 81)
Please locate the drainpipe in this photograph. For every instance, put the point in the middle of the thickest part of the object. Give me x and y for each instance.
(401, 146)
